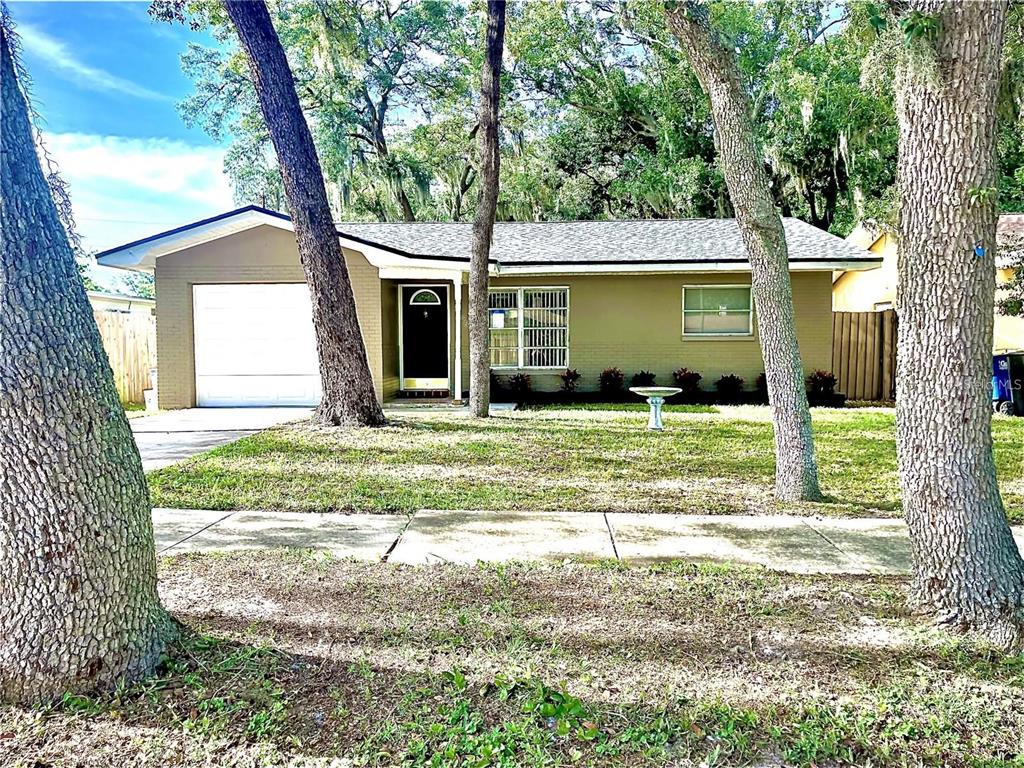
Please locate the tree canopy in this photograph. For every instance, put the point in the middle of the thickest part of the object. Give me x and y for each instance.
(602, 115)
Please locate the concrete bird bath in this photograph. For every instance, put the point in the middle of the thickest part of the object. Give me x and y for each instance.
(655, 398)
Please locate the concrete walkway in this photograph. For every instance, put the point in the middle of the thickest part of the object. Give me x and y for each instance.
(171, 436)
(780, 542)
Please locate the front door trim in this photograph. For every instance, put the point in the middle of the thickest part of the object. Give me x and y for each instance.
(424, 384)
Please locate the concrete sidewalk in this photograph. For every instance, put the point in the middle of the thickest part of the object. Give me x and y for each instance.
(779, 542)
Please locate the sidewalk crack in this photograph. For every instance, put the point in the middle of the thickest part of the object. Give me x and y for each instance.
(835, 546)
(398, 538)
(196, 533)
(611, 535)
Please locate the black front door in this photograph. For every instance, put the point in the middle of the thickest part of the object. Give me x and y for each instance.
(424, 337)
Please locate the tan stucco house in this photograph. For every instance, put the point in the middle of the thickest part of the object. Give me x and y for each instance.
(234, 324)
(874, 290)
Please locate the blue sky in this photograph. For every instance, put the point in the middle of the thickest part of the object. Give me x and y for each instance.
(106, 80)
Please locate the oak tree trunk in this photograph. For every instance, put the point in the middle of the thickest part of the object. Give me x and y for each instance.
(348, 395)
(483, 224)
(78, 600)
(967, 569)
(796, 472)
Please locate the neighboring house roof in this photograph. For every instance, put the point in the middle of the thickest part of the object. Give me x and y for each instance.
(521, 245)
(868, 233)
(120, 297)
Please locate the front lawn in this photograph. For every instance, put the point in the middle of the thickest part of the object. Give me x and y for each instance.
(560, 459)
(295, 659)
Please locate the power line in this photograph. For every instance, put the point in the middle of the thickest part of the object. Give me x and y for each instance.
(123, 221)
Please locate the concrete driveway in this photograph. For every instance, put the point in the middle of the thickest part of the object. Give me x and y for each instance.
(165, 438)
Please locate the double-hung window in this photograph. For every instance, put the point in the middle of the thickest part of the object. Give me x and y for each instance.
(717, 310)
(529, 327)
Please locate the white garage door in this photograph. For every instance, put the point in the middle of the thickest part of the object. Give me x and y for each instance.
(254, 345)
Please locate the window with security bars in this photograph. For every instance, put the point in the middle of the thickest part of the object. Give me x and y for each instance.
(529, 327)
(717, 310)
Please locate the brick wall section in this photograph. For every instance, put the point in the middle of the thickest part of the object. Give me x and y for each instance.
(389, 338)
(634, 322)
(264, 254)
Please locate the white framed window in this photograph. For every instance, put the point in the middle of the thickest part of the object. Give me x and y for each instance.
(717, 310)
(529, 327)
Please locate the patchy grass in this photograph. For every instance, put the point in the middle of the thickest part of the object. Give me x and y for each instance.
(718, 463)
(295, 658)
(136, 410)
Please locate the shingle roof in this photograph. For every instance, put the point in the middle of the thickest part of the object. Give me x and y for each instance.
(650, 241)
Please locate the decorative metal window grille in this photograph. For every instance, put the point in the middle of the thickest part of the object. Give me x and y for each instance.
(529, 327)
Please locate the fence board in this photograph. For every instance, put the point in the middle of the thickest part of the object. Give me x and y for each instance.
(129, 339)
(864, 354)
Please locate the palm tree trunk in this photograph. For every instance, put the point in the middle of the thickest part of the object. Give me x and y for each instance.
(967, 569)
(796, 470)
(348, 394)
(483, 224)
(78, 601)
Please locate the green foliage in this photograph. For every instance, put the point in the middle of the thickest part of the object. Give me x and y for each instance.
(83, 273)
(139, 284)
(601, 115)
(917, 25)
(1010, 296)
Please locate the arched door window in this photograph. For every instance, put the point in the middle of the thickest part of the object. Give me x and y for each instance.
(425, 296)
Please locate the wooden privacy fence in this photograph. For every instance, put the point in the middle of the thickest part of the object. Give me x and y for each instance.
(130, 341)
(864, 354)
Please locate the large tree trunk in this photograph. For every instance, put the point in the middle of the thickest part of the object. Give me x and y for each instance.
(967, 569)
(348, 395)
(483, 224)
(796, 471)
(78, 600)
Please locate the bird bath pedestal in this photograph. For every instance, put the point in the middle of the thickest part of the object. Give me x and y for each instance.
(655, 398)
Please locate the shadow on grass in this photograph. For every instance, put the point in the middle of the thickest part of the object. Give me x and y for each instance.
(222, 697)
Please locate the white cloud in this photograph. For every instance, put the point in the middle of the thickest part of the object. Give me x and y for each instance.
(58, 56)
(126, 188)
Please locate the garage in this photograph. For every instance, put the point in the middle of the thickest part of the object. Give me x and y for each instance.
(254, 345)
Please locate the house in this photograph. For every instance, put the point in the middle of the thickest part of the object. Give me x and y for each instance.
(234, 323)
(875, 290)
(105, 301)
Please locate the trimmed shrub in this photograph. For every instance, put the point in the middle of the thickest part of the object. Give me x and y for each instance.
(570, 379)
(519, 384)
(822, 383)
(687, 380)
(643, 379)
(761, 386)
(611, 382)
(729, 387)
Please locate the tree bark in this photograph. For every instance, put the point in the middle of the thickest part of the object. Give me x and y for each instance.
(348, 394)
(78, 600)
(796, 472)
(483, 223)
(967, 569)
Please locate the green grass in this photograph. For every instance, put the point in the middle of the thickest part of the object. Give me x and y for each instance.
(289, 658)
(717, 463)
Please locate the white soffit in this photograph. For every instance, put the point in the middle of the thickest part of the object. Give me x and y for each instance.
(142, 254)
